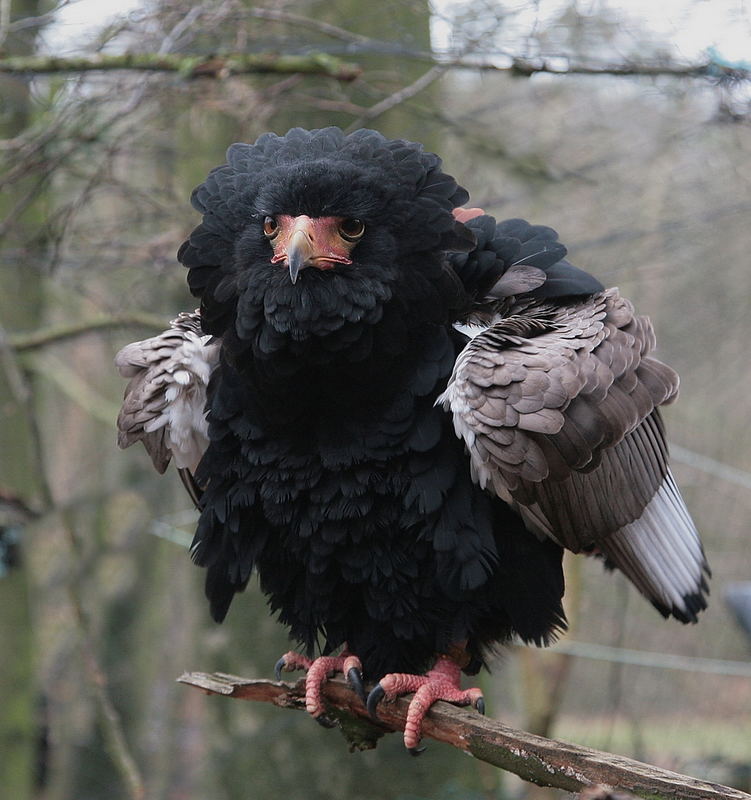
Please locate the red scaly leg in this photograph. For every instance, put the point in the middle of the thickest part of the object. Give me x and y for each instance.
(319, 670)
(440, 683)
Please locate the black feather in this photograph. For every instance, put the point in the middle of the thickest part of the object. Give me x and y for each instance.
(503, 246)
(330, 471)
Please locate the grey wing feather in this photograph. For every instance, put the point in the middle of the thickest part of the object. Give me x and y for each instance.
(558, 407)
(165, 399)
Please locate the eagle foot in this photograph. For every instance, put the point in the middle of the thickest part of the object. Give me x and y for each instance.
(440, 683)
(319, 670)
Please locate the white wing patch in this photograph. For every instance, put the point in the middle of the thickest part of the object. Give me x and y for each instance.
(662, 555)
(165, 399)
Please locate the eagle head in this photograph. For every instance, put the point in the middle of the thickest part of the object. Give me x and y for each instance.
(314, 232)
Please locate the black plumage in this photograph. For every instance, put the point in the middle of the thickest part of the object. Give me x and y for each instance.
(333, 469)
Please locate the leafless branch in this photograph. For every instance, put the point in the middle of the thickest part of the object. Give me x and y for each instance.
(277, 15)
(169, 41)
(564, 66)
(503, 61)
(398, 97)
(546, 762)
(35, 339)
(189, 67)
(322, 63)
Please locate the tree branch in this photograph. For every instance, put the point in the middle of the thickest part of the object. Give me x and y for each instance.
(223, 66)
(398, 97)
(546, 762)
(189, 67)
(713, 67)
(33, 340)
(278, 15)
(564, 66)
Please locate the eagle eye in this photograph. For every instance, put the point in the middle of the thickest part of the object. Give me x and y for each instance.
(351, 229)
(270, 227)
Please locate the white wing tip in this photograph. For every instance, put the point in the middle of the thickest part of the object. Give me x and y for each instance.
(662, 555)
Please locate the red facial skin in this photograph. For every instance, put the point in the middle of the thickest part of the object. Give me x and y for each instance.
(300, 242)
(466, 214)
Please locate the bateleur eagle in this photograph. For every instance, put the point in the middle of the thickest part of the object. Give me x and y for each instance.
(399, 412)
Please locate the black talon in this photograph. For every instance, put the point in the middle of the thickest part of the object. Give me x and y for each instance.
(278, 667)
(374, 698)
(324, 721)
(480, 705)
(415, 751)
(355, 681)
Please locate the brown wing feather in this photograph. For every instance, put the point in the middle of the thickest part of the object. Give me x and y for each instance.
(557, 406)
(585, 506)
(163, 404)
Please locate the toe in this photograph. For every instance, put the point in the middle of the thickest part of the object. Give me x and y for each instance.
(289, 662)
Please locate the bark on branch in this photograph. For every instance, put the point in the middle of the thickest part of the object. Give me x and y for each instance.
(546, 762)
(222, 66)
(33, 340)
(189, 67)
(562, 66)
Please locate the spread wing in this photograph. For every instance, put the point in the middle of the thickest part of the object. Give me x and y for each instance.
(165, 399)
(558, 406)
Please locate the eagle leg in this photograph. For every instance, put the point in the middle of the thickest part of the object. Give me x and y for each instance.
(319, 670)
(440, 683)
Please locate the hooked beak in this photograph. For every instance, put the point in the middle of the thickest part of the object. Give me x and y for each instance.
(309, 242)
(300, 253)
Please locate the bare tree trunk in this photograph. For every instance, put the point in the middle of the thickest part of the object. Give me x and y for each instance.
(22, 764)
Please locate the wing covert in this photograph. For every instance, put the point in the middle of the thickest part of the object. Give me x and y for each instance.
(164, 401)
(540, 396)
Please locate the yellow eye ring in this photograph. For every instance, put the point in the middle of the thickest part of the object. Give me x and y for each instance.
(351, 229)
(270, 227)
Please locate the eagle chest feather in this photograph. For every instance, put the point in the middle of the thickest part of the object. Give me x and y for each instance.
(333, 456)
(394, 486)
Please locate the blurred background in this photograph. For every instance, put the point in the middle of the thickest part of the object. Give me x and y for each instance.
(625, 126)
